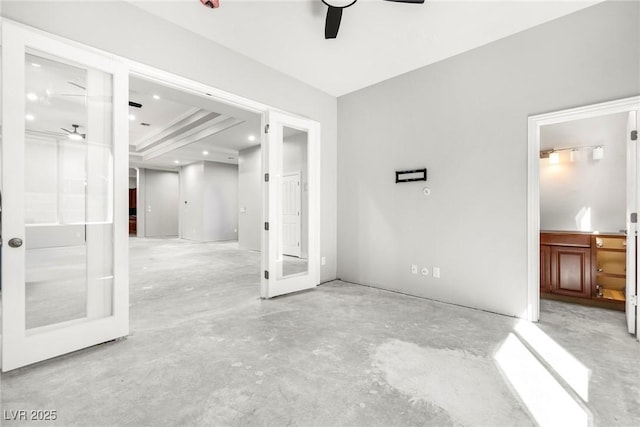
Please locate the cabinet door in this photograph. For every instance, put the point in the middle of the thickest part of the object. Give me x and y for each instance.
(571, 271)
(545, 268)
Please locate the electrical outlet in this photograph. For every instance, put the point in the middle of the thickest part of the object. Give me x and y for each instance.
(323, 260)
(414, 269)
(436, 272)
(424, 271)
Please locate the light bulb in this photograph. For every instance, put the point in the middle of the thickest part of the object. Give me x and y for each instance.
(573, 155)
(598, 153)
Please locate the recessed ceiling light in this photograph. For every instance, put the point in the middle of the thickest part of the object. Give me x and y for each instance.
(132, 117)
(29, 117)
(177, 162)
(156, 97)
(252, 138)
(32, 96)
(35, 64)
(205, 152)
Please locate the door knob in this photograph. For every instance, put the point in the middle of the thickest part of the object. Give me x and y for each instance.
(15, 242)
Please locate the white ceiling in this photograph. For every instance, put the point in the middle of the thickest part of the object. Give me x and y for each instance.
(182, 126)
(377, 39)
(162, 113)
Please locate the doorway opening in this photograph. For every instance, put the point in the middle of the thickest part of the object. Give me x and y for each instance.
(195, 199)
(583, 186)
(75, 192)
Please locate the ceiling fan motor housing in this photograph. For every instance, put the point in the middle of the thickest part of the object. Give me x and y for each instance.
(334, 14)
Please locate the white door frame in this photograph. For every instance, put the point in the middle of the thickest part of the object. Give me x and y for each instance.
(533, 183)
(313, 155)
(137, 69)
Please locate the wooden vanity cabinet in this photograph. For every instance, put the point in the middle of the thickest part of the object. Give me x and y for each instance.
(571, 271)
(565, 264)
(583, 267)
(545, 268)
(609, 258)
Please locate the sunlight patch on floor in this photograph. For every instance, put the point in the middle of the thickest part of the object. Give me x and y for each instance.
(545, 398)
(574, 373)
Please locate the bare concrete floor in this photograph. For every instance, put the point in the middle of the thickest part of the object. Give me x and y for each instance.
(205, 350)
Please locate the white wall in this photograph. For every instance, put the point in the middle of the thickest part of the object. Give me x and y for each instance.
(465, 119)
(161, 203)
(250, 198)
(126, 30)
(587, 194)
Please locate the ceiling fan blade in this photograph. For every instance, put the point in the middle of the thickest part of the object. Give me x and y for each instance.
(77, 85)
(332, 23)
(66, 130)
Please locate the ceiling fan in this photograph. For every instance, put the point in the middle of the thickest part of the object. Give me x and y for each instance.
(334, 14)
(74, 134)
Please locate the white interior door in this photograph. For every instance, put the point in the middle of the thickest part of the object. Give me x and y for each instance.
(291, 206)
(633, 159)
(65, 201)
(291, 146)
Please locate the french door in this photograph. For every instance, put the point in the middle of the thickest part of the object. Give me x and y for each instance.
(64, 197)
(633, 202)
(291, 147)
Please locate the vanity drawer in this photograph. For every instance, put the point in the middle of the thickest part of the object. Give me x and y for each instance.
(559, 239)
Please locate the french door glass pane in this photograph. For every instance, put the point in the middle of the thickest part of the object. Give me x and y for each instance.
(293, 241)
(68, 191)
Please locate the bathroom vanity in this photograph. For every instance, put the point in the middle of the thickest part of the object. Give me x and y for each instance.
(583, 267)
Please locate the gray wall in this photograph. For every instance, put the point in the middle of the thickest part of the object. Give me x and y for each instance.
(220, 201)
(568, 189)
(140, 211)
(249, 198)
(210, 190)
(191, 179)
(126, 30)
(465, 119)
(54, 236)
(250, 190)
(161, 203)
